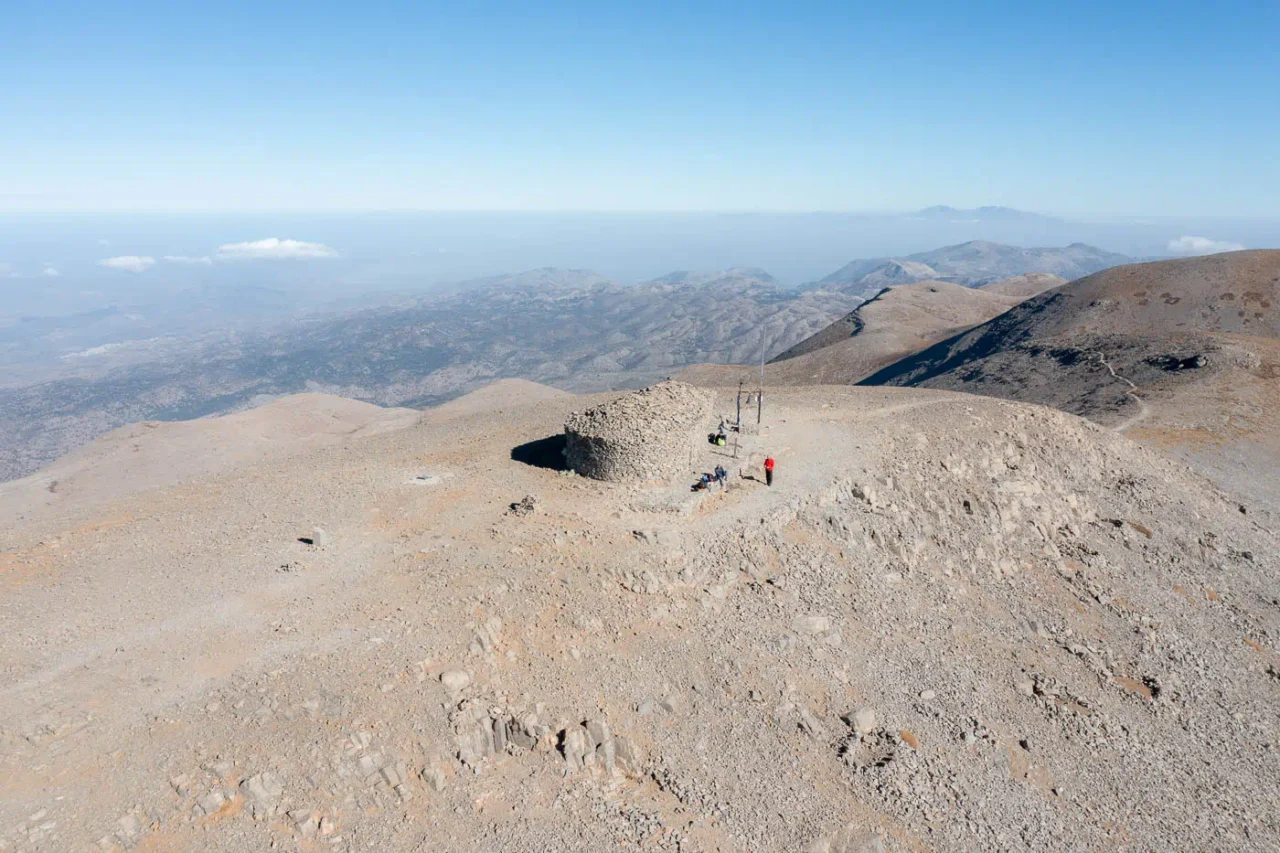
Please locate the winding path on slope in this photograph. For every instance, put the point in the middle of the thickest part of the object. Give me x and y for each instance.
(1132, 393)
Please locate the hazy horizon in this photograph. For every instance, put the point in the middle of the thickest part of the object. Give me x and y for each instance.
(84, 260)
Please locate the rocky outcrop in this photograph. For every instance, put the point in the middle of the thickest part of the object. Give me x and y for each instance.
(646, 435)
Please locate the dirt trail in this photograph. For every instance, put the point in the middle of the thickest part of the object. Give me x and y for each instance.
(1132, 393)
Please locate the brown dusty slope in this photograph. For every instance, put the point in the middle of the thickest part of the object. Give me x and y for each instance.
(1026, 285)
(156, 454)
(911, 311)
(896, 322)
(952, 623)
(502, 394)
(1179, 348)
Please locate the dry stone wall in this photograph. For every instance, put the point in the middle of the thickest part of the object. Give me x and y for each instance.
(646, 435)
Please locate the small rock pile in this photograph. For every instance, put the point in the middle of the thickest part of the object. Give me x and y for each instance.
(642, 436)
(484, 729)
(524, 507)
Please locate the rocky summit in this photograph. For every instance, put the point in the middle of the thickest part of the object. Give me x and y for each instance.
(951, 623)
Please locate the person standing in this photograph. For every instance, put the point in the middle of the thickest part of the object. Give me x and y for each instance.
(768, 471)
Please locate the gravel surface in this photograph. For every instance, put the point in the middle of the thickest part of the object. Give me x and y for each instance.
(952, 623)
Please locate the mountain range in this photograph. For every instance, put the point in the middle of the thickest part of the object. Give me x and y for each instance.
(986, 213)
(972, 264)
(571, 328)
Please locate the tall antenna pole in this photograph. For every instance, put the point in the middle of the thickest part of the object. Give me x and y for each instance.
(760, 396)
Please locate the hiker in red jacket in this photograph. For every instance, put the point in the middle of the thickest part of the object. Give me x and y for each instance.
(768, 471)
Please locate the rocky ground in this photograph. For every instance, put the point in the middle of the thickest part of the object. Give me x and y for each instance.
(953, 623)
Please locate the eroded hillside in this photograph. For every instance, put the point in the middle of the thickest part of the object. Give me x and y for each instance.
(894, 323)
(1185, 351)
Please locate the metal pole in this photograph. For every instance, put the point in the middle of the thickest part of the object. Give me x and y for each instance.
(760, 396)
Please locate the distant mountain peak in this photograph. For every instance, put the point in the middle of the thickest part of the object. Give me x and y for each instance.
(973, 264)
(899, 272)
(985, 213)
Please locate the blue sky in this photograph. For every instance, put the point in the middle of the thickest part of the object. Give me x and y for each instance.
(1076, 108)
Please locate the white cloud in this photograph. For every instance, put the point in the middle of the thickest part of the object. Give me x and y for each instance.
(187, 259)
(104, 242)
(128, 263)
(273, 248)
(49, 271)
(8, 270)
(1188, 245)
